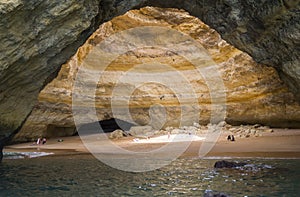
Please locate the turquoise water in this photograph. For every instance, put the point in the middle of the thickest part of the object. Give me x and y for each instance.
(82, 175)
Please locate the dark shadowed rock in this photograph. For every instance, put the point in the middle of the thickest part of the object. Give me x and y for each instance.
(1, 148)
(228, 164)
(1, 152)
(214, 194)
(105, 126)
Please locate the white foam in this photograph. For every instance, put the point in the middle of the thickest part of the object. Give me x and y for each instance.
(22, 155)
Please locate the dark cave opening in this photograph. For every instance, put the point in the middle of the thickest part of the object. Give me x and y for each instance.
(59, 131)
(107, 126)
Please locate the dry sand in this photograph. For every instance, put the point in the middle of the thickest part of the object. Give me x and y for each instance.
(282, 143)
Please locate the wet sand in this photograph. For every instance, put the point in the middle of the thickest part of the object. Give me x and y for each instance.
(282, 143)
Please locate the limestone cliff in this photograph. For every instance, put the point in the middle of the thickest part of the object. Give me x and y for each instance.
(254, 92)
(39, 36)
(36, 37)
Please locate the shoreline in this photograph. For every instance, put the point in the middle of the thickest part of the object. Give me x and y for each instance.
(281, 144)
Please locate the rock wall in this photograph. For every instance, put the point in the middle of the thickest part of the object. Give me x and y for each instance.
(39, 36)
(254, 92)
(36, 37)
(267, 30)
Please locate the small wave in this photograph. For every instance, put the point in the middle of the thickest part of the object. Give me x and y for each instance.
(23, 155)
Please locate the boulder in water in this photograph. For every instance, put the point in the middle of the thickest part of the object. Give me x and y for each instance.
(213, 194)
(228, 164)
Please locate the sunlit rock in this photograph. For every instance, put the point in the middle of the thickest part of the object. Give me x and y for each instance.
(39, 36)
(254, 92)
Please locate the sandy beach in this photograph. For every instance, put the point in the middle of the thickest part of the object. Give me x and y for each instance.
(282, 143)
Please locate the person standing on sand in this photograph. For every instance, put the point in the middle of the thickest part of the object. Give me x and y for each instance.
(232, 138)
(228, 138)
(38, 141)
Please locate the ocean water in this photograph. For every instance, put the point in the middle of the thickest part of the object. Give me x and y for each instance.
(83, 175)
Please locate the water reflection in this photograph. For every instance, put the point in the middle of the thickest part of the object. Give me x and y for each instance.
(82, 175)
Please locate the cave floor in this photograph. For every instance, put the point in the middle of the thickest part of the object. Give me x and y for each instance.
(282, 143)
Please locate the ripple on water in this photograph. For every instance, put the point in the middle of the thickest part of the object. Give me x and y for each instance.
(82, 175)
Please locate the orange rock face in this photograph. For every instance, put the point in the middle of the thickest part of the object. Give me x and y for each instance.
(160, 76)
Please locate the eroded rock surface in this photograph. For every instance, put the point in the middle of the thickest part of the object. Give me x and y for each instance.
(38, 36)
(228, 164)
(254, 92)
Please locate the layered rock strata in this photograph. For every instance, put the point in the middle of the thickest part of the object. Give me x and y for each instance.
(254, 92)
(38, 36)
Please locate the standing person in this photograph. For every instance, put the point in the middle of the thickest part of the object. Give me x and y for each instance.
(38, 142)
(228, 138)
(232, 138)
(44, 141)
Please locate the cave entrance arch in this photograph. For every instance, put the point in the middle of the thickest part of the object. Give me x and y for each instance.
(108, 125)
